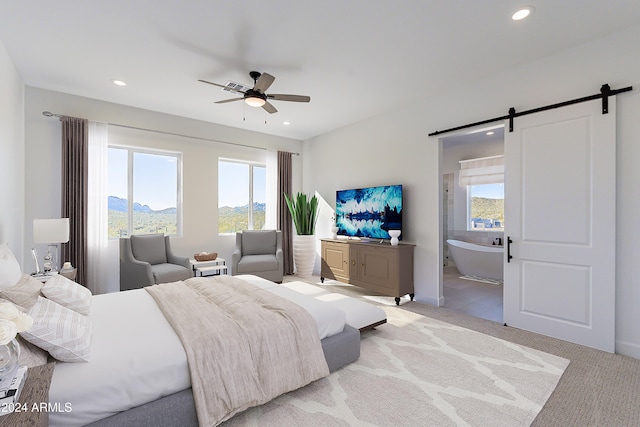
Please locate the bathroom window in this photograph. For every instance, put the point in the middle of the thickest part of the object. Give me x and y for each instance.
(485, 207)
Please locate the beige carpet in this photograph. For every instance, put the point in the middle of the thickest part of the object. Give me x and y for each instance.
(419, 371)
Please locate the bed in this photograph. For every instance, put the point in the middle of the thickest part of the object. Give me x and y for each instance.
(121, 358)
(138, 373)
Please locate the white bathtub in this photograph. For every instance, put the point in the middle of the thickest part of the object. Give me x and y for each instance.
(477, 260)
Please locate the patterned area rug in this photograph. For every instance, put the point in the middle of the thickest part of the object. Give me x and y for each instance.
(418, 371)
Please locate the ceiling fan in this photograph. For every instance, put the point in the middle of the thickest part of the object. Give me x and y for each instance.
(256, 97)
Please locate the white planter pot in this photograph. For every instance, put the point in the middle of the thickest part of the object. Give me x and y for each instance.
(304, 254)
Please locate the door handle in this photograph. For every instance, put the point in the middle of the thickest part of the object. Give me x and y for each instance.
(509, 242)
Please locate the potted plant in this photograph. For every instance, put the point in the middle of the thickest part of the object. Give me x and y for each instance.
(304, 212)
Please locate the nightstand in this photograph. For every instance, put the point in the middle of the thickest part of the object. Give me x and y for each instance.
(35, 392)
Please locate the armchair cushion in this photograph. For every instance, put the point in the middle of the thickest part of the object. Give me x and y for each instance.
(257, 263)
(258, 242)
(149, 248)
(167, 273)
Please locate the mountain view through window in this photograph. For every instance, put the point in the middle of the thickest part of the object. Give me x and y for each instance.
(153, 189)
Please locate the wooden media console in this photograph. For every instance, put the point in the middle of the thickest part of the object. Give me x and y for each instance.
(373, 265)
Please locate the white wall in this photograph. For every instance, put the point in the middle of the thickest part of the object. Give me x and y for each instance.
(395, 148)
(11, 155)
(200, 158)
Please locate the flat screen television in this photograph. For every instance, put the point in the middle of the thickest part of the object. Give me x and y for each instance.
(369, 212)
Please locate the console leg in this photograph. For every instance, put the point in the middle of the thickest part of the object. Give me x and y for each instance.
(321, 279)
(412, 295)
(397, 300)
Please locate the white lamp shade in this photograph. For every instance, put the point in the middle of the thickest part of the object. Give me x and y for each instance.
(254, 101)
(54, 230)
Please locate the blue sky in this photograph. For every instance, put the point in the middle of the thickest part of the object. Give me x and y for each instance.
(155, 180)
(490, 191)
(233, 184)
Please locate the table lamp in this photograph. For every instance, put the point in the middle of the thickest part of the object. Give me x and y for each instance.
(50, 232)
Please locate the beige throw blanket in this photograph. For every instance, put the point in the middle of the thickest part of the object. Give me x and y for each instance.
(245, 345)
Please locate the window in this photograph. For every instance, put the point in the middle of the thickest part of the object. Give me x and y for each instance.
(241, 196)
(144, 192)
(486, 207)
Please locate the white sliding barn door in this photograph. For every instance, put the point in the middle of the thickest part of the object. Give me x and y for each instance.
(560, 176)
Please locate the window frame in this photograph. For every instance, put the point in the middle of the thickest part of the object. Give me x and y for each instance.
(131, 151)
(469, 197)
(251, 164)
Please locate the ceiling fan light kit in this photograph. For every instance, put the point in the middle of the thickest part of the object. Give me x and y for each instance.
(254, 101)
(257, 96)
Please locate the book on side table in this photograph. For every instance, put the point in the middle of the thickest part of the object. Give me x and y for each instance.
(10, 395)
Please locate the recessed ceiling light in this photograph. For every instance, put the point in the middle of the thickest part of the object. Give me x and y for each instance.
(286, 123)
(119, 82)
(522, 13)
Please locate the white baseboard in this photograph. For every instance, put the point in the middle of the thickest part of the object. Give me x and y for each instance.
(628, 349)
(438, 302)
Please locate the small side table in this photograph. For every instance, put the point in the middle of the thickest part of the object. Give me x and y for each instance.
(71, 275)
(209, 268)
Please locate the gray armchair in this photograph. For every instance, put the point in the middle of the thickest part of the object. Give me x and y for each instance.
(259, 252)
(146, 259)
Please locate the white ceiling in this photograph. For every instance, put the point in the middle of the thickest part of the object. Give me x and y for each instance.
(354, 58)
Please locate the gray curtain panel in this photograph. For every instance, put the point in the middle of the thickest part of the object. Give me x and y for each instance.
(75, 136)
(284, 217)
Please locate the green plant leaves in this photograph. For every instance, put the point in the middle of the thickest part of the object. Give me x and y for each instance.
(304, 212)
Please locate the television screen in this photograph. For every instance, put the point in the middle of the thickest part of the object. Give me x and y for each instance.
(369, 212)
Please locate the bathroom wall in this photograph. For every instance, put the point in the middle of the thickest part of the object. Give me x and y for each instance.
(455, 197)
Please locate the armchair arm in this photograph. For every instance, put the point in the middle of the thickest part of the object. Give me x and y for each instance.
(235, 259)
(279, 252)
(175, 259)
(134, 274)
(237, 254)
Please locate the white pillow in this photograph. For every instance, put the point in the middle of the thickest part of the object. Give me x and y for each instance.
(68, 293)
(25, 293)
(65, 334)
(10, 271)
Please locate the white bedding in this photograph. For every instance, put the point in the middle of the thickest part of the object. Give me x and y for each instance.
(330, 320)
(136, 357)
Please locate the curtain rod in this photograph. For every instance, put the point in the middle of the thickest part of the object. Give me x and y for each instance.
(605, 93)
(50, 114)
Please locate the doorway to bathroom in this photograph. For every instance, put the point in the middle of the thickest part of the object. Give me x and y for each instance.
(473, 215)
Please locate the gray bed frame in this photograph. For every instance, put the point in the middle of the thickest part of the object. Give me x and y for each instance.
(179, 408)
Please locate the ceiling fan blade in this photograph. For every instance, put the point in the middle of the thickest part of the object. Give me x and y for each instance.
(264, 81)
(294, 98)
(228, 100)
(269, 108)
(222, 86)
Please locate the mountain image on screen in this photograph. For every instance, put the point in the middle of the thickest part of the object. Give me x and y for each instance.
(369, 212)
